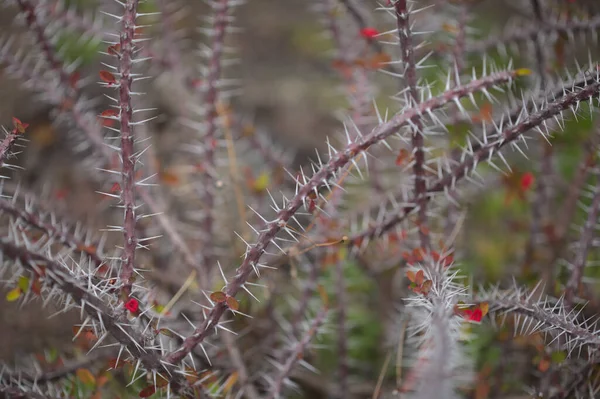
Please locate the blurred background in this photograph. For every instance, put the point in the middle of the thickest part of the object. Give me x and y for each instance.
(288, 87)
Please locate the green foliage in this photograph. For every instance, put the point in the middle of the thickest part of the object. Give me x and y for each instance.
(363, 326)
(75, 48)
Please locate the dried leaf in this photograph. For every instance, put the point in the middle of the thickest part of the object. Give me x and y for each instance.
(36, 286)
(231, 380)
(112, 363)
(218, 296)
(147, 392)
(20, 126)
(169, 178)
(419, 277)
(485, 308)
(161, 381)
(108, 77)
(544, 365)
(232, 303)
(426, 286)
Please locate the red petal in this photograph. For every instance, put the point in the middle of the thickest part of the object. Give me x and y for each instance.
(474, 315)
(527, 181)
(368, 32)
(132, 305)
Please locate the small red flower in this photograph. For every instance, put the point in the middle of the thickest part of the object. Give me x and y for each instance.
(369, 33)
(527, 181)
(132, 305)
(474, 314)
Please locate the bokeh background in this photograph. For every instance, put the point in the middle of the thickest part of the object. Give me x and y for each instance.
(289, 88)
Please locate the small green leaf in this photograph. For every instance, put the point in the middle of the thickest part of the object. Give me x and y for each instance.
(13, 294)
(23, 283)
(558, 356)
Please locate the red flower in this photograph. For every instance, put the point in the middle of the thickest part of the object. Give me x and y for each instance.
(369, 33)
(474, 314)
(132, 305)
(527, 181)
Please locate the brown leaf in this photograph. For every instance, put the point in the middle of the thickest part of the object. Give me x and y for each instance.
(110, 112)
(108, 77)
(419, 277)
(218, 296)
(147, 392)
(232, 303)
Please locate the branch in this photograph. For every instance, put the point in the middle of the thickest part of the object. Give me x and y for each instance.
(296, 354)
(58, 279)
(128, 156)
(9, 142)
(322, 178)
(484, 151)
(410, 77)
(61, 232)
(584, 246)
(544, 316)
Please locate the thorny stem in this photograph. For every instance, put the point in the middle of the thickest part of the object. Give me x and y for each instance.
(87, 123)
(296, 354)
(482, 153)
(7, 144)
(410, 77)
(64, 371)
(128, 156)
(34, 24)
(362, 23)
(545, 317)
(319, 179)
(342, 332)
(64, 236)
(577, 182)
(459, 63)
(57, 277)
(540, 202)
(238, 361)
(16, 393)
(210, 100)
(585, 242)
(533, 32)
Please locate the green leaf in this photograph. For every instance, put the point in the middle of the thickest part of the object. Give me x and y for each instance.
(13, 294)
(23, 283)
(558, 356)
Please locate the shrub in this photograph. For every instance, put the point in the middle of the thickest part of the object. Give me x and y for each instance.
(426, 252)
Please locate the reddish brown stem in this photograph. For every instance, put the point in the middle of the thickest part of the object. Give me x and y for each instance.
(338, 161)
(128, 156)
(410, 78)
